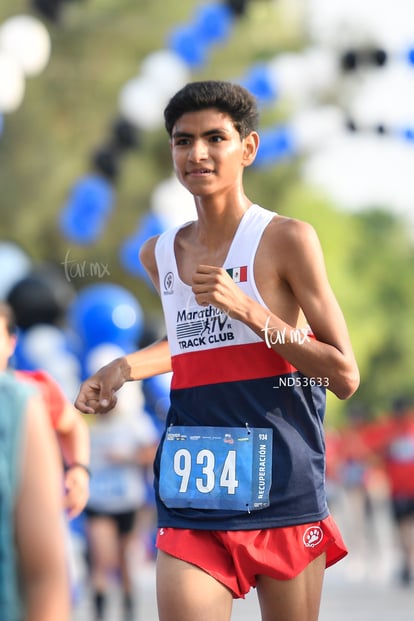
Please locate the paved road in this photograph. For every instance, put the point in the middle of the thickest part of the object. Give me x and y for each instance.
(369, 599)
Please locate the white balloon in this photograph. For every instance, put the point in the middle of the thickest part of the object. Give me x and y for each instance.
(44, 346)
(124, 316)
(287, 73)
(12, 83)
(43, 342)
(28, 40)
(142, 102)
(386, 97)
(322, 70)
(313, 127)
(300, 76)
(65, 369)
(101, 355)
(344, 23)
(14, 266)
(167, 70)
(172, 203)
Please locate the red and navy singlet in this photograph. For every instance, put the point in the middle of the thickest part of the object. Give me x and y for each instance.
(225, 376)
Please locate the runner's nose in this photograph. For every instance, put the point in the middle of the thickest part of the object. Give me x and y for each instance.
(198, 151)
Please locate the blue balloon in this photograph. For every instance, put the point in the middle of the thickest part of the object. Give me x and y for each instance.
(106, 313)
(156, 392)
(258, 82)
(410, 56)
(92, 193)
(79, 226)
(129, 254)
(408, 134)
(213, 22)
(186, 42)
(1, 124)
(20, 360)
(275, 144)
(84, 215)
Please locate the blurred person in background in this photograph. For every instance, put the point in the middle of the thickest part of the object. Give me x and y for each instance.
(395, 444)
(70, 427)
(123, 447)
(34, 584)
(361, 489)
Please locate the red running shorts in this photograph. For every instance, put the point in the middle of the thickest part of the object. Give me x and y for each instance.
(236, 557)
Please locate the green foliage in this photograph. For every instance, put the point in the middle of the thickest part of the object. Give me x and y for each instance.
(67, 113)
(383, 261)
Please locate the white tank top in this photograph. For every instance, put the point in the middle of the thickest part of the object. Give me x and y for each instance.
(191, 327)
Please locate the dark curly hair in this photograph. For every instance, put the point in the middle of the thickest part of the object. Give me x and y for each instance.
(232, 99)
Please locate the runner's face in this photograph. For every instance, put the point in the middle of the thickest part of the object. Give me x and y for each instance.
(208, 153)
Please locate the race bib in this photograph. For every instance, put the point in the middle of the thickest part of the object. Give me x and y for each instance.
(216, 468)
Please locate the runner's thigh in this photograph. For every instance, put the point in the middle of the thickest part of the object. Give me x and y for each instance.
(187, 593)
(297, 599)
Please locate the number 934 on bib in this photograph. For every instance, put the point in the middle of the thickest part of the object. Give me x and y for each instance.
(228, 468)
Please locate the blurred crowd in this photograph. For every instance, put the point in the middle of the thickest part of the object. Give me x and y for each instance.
(370, 476)
(76, 491)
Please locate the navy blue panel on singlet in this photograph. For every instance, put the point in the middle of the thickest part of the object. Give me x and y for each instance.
(295, 414)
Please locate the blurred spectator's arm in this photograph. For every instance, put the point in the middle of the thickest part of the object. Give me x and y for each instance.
(40, 534)
(73, 436)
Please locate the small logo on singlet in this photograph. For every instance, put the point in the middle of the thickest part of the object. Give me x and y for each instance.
(168, 283)
(312, 536)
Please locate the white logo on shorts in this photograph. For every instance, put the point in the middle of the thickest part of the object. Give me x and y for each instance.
(312, 536)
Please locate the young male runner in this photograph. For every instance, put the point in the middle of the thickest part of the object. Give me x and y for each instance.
(255, 337)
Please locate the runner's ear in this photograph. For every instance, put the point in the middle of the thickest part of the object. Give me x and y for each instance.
(250, 147)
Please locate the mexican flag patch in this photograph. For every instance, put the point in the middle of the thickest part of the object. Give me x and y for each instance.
(238, 274)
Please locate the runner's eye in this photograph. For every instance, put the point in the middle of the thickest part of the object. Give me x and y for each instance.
(179, 142)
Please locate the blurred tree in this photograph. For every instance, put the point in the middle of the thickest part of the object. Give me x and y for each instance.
(383, 263)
